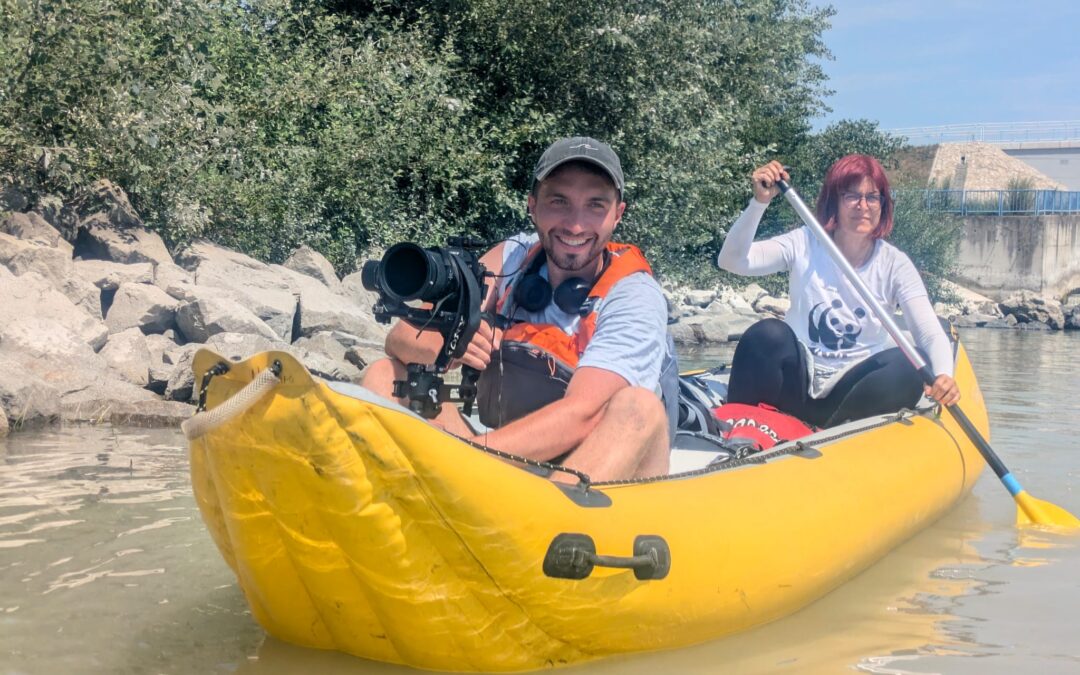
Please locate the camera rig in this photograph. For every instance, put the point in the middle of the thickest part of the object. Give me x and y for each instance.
(453, 281)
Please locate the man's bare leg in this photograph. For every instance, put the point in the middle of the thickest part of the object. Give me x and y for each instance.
(630, 441)
(379, 377)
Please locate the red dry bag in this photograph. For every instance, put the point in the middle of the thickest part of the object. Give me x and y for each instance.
(763, 424)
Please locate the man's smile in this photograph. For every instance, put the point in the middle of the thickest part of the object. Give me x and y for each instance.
(572, 242)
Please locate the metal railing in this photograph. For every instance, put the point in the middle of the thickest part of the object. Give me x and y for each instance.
(1000, 202)
(992, 132)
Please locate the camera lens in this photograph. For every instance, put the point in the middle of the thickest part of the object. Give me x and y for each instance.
(410, 272)
(369, 275)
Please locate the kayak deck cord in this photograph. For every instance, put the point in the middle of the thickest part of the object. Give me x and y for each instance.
(789, 448)
(583, 478)
(207, 420)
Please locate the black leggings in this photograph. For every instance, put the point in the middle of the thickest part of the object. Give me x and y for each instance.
(769, 367)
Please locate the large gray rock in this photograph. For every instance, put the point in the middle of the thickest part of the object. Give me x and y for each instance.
(84, 294)
(1008, 321)
(358, 351)
(320, 309)
(777, 307)
(5, 426)
(128, 355)
(174, 280)
(44, 339)
(326, 356)
(26, 399)
(1028, 307)
(330, 369)
(160, 365)
(52, 261)
(966, 302)
(32, 295)
(729, 299)
(97, 401)
(307, 260)
(711, 327)
(141, 306)
(180, 385)
(21, 256)
(699, 298)
(240, 346)
(1072, 321)
(752, 293)
(150, 413)
(41, 248)
(353, 289)
(33, 227)
(101, 238)
(207, 314)
(246, 280)
(108, 276)
(52, 370)
(975, 320)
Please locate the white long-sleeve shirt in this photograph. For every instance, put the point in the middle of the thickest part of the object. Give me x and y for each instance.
(827, 314)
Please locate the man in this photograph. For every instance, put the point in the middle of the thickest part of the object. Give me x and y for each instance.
(584, 372)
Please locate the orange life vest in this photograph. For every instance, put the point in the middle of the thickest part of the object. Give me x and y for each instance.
(625, 259)
(536, 360)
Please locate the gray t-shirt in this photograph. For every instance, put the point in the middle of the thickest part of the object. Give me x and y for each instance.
(631, 338)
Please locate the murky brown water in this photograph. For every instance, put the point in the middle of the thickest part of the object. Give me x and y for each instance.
(105, 566)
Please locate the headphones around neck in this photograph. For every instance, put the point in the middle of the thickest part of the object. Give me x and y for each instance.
(533, 293)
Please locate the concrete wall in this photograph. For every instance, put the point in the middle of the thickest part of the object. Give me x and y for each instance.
(1000, 255)
(1058, 161)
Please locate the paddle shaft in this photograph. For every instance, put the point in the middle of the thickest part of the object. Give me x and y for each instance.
(905, 345)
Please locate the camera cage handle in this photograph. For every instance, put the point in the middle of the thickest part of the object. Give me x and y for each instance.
(424, 386)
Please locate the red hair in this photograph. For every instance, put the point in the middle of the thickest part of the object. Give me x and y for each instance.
(848, 172)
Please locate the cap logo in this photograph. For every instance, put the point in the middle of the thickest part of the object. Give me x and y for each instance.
(582, 145)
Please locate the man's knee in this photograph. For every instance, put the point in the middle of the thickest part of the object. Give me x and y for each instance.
(379, 376)
(639, 404)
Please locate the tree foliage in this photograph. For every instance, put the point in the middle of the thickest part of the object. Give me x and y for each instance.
(350, 124)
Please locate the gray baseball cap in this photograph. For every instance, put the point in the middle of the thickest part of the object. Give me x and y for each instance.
(579, 148)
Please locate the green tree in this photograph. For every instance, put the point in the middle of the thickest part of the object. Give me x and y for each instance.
(690, 93)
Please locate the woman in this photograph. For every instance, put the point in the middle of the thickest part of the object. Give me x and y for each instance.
(831, 360)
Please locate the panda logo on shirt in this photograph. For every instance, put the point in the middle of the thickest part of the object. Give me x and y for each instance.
(835, 328)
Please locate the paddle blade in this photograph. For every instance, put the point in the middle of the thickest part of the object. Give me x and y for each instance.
(1032, 511)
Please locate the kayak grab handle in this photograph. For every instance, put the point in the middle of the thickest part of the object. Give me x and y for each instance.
(573, 556)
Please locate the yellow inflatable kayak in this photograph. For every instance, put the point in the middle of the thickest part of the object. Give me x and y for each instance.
(353, 525)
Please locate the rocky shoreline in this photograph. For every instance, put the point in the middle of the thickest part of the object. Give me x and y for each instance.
(99, 322)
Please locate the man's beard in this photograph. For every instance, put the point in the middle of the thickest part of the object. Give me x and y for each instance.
(571, 262)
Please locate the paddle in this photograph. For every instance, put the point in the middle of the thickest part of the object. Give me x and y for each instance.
(1029, 509)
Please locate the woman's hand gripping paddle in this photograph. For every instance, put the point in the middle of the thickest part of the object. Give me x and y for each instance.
(1029, 509)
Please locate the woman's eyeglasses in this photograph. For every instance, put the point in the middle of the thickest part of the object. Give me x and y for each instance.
(853, 198)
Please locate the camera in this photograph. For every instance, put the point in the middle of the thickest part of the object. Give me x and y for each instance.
(452, 280)
(410, 272)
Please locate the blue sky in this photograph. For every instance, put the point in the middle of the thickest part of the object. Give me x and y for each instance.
(934, 62)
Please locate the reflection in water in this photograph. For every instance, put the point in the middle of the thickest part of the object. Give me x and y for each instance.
(105, 565)
(104, 562)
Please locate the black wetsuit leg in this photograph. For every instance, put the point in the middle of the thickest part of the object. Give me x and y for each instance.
(883, 383)
(769, 367)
